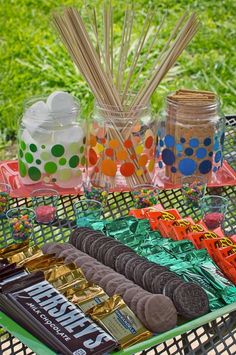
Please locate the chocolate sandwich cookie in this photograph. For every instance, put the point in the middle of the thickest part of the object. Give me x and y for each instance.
(121, 261)
(140, 294)
(171, 286)
(81, 237)
(71, 257)
(80, 260)
(130, 293)
(123, 287)
(112, 253)
(139, 272)
(74, 235)
(87, 242)
(160, 314)
(96, 244)
(160, 281)
(112, 285)
(131, 265)
(104, 248)
(140, 307)
(150, 274)
(97, 276)
(190, 300)
(65, 253)
(103, 282)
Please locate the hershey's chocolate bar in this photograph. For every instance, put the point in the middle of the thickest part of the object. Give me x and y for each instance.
(10, 273)
(70, 331)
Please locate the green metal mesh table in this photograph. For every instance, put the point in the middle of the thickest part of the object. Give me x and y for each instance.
(214, 333)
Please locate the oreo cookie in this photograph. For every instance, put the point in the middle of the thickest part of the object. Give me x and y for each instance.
(161, 280)
(131, 265)
(150, 274)
(112, 254)
(190, 300)
(104, 248)
(121, 261)
(171, 286)
(74, 235)
(79, 242)
(139, 272)
(96, 244)
(87, 242)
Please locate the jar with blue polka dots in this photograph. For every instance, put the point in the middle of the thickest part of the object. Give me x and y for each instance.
(51, 142)
(190, 139)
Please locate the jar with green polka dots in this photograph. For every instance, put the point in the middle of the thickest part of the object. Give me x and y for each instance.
(51, 142)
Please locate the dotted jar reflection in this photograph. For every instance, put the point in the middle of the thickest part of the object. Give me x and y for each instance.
(51, 146)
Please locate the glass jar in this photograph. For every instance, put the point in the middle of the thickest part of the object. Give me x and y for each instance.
(190, 141)
(121, 147)
(51, 146)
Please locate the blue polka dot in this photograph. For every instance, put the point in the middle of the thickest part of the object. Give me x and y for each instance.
(222, 138)
(182, 140)
(179, 155)
(188, 151)
(169, 141)
(160, 164)
(168, 157)
(194, 142)
(210, 154)
(173, 169)
(179, 147)
(157, 153)
(215, 169)
(218, 156)
(187, 166)
(201, 153)
(205, 166)
(216, 145)
(207, 141)
(161, 143)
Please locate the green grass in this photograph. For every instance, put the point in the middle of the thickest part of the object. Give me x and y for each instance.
(34, 62)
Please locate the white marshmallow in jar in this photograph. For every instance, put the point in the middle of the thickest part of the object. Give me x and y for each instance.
(51, 141)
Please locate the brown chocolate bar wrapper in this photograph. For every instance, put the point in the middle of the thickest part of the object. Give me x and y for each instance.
(118, 319)
(42, 263)
(3, 263)
(55, 272)
(13, 249)
(70, 288)
(89, 297)
(25, 255)
(11, 273)
(67, 330)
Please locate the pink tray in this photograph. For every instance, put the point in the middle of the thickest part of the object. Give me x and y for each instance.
(9, 174)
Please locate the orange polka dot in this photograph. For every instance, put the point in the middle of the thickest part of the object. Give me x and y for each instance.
(133, 156)
(149, 142)
(137, 139)
(143, 160)
(151, 152)
(92, 140)
(103, 140)
(114, 143)
(96, 169)
(136, 128)
(127, 169)
(108, 167)
(128, 143)
(151, 165)
(121, 154)
(92, 156)
(109, 152)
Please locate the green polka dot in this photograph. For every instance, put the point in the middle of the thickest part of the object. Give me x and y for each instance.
(29, 158)
(34, 173)
(50, 167)
(58, 150)
(73, 148)
(38, 161)
(21, 153)
(62, 161)
(23, 145)
(43, 146)
(45, 156)
(22, 169)
(81, 149)
(74, 161)
(33, 148)
(64, 175)
(83, 160)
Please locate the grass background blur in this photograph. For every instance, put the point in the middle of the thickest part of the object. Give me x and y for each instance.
(34, 62)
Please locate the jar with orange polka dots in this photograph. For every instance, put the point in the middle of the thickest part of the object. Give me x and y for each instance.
(121, 147)
(51, 144)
